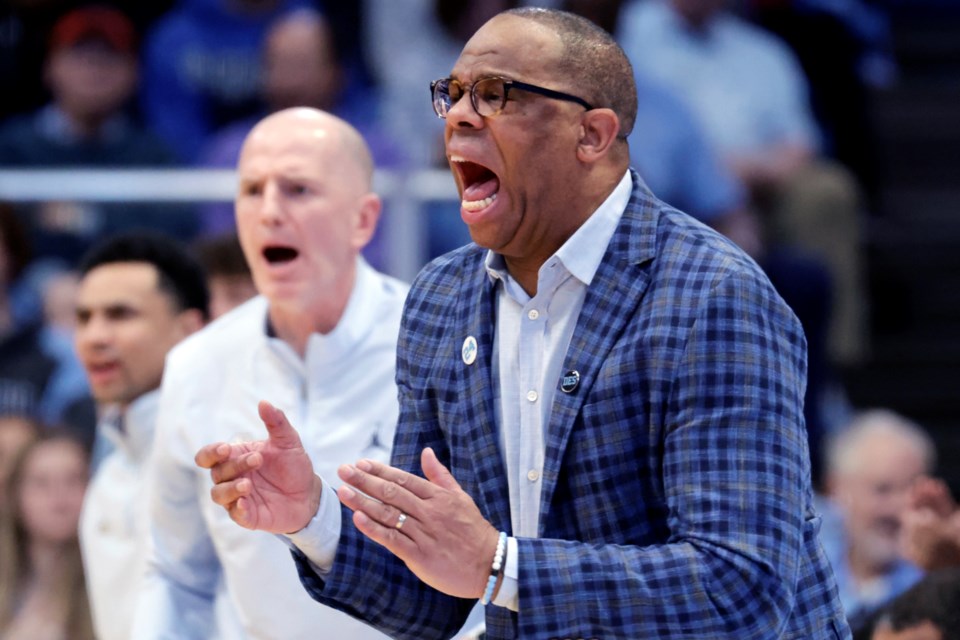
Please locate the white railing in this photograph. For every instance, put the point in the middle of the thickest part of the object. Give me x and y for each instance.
(405, 230)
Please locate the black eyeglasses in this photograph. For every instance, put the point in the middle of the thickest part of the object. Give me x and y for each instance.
(488, 95)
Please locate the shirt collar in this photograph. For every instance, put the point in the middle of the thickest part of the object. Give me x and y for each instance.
(131, 429)
(582, 252)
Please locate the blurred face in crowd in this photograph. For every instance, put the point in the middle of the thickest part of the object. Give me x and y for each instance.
(304, 208)
(873, 491)
(60, 301)
(90, 80)
(300, 68)
(50, 490)
(126, 324)
(516, 171)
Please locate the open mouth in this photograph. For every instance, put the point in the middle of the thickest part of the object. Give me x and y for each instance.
(280, 255)
(101, 369)
(480, 184)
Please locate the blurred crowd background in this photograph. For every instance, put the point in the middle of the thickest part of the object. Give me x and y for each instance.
(822, 136)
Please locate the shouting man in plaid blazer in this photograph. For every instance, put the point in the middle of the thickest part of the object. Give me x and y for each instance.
(601, 431)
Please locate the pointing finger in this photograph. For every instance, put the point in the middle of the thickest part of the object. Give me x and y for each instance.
(281, 433)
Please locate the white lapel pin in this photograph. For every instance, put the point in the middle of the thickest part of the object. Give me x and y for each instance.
(469, 350)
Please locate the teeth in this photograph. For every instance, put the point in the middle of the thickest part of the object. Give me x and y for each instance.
(476, 205)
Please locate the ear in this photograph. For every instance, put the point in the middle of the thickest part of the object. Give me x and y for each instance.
(368, 213)
(599, 129)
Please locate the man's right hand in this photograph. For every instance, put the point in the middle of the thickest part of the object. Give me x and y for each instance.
(268, 484)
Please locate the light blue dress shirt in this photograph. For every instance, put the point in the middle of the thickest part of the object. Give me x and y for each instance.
(531, 340)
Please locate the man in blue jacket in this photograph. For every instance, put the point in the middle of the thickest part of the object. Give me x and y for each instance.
(604, 398)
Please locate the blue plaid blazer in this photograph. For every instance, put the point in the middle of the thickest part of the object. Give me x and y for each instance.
(676, 488)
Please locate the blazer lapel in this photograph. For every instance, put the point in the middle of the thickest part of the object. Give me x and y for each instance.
(611, 301)
(475, 388)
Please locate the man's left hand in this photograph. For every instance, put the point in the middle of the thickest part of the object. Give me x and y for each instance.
(443, 538)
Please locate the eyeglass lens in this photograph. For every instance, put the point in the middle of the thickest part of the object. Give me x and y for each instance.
(487, 96)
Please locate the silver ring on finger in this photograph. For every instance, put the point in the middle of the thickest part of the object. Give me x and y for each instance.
(400, 521)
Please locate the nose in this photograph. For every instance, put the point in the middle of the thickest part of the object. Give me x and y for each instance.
(462, 114)
(93, 333)
(271, 205)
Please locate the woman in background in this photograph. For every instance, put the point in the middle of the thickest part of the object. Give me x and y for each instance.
(42, 591)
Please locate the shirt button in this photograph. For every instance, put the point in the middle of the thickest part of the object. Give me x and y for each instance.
(533, 475)
(532, 395)
(533, 314)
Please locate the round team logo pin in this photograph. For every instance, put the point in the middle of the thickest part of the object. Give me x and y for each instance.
(569, 381)
(469, 350)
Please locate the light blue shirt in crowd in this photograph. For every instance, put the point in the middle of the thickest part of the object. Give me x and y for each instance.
(745, 87)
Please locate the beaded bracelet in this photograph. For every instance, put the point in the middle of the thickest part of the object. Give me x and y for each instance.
(495, 568)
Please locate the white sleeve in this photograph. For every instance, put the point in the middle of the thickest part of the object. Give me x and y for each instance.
(177, 597)
(319, 539)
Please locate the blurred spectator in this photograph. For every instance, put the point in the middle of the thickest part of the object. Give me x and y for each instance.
(15, 433)
(202, 67)
(748, 93)
(871, 466)
(931, 526)
(42, 593)
(40, 376)
(140, 294)
(24, 26)
(20, 301)
(930, 610)
(669, 149)
(91, 70)
(59, 303)
(228, 274)
(844, 48)
(301, 68)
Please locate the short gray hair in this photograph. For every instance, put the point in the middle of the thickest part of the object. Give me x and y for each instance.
(843, 447)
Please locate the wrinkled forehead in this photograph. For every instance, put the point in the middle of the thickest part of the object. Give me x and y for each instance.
(511, 46)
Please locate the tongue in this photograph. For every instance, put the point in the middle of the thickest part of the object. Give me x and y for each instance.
(482, 189)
